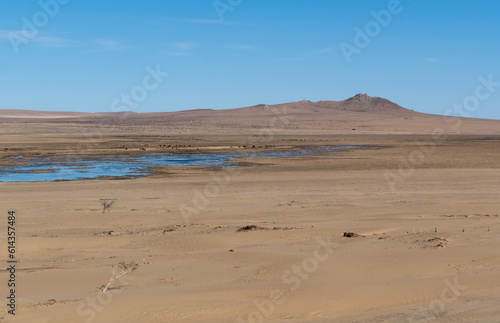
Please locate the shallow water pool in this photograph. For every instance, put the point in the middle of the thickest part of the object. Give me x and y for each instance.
(86, 167)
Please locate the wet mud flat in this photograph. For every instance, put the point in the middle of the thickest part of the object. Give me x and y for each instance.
(85, 167)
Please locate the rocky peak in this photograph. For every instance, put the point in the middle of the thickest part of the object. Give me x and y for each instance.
(361, 98)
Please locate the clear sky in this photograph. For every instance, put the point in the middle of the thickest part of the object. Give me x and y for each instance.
(96, 55)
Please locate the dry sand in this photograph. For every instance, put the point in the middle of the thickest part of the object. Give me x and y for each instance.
(429, 250)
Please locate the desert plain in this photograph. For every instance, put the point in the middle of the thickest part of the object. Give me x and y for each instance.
(263, 242)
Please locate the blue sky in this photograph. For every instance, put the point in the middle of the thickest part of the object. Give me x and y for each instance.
(77, 55)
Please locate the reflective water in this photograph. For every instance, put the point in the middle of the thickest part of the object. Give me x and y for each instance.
(76, 167)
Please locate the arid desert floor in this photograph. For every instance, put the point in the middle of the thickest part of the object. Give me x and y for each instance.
(263, 242)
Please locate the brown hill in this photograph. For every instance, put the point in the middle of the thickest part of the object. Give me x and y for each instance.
(365, 103)
(360, 113)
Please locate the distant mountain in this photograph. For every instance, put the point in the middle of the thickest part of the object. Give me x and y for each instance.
(30, 114)
(365, 103)
(361, 113)
(357, 103)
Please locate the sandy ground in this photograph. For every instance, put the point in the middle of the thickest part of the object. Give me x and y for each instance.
(427, 211)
